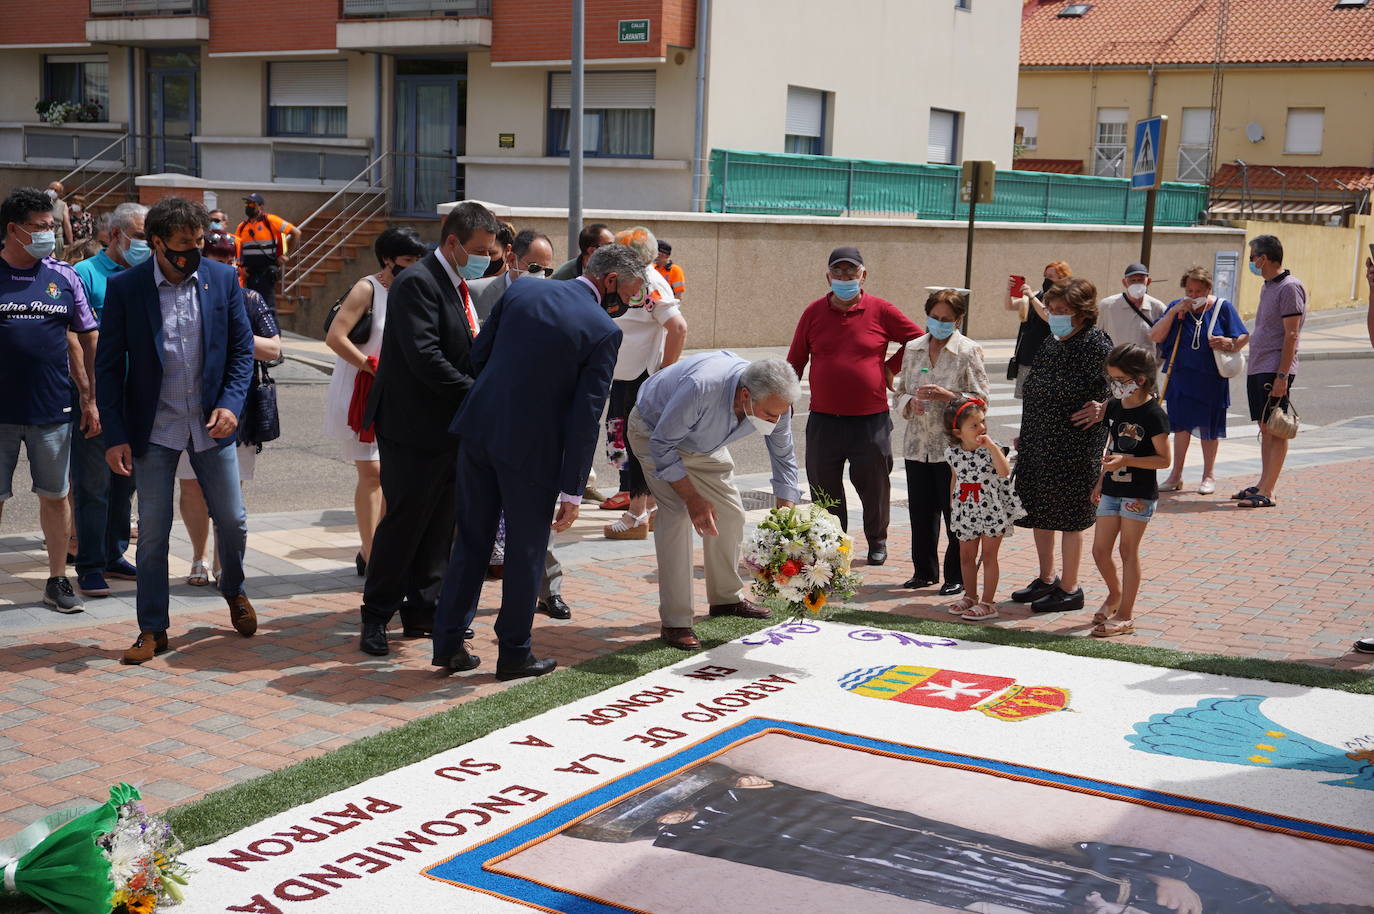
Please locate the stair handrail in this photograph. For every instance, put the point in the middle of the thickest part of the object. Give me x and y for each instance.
(378, 206)
(341, 225)
(78, 169)
(347, 188)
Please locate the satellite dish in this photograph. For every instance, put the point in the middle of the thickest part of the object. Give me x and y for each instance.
(1254, 132)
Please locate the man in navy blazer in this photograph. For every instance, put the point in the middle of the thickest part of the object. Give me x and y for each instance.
(172, 374)
(526, 438)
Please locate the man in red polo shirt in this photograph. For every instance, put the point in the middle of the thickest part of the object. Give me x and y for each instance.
(845, 336)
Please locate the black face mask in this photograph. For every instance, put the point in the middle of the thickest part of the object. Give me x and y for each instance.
(613, 305)
(250, 211)
(184, 262)
(496, 266)
(1046, 285)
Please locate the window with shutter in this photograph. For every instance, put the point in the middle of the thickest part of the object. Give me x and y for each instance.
(804, 131)
(617, 113)
(1109, 153)
(942, 144)
(1304, 133)
(1028, 119)
(1195, 145)
(308, 98)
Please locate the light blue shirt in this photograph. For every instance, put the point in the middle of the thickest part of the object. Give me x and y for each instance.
(94, 273)
(180, 418)
(690, 406)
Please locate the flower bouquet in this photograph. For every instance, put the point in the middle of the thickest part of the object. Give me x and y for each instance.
(800, 559)
(112, 857)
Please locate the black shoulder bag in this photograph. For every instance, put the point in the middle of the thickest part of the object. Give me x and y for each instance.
(360, 331)
(260, 422)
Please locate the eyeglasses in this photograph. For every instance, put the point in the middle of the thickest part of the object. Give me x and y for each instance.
(536, 268)
(40, 227)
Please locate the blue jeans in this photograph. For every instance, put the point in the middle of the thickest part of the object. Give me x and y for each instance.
(217, 471)
(103, 505)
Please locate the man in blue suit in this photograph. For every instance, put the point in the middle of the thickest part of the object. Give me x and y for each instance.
(172, 374)
(526, 436)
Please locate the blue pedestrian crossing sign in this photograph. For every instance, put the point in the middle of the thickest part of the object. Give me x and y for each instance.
(1146, 152)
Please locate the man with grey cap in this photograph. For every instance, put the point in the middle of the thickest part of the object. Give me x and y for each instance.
(685, 418)
(1128, 316)
(845, 337)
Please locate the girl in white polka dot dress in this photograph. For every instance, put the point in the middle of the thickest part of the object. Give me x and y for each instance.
(984, 504)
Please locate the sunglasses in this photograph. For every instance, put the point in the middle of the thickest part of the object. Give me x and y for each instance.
(536, 268)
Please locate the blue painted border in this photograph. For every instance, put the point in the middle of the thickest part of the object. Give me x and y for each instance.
(466, 870)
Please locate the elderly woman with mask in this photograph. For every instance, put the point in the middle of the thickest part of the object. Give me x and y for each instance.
(938, 367)
(1061, 442)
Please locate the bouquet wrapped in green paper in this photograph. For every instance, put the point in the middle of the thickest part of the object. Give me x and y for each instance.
(112, 857)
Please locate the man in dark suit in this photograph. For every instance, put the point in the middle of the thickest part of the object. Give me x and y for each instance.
(424, 372)
(172, 373)
(527, 435)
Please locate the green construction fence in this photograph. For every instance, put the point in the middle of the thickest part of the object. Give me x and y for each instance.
(802, 185)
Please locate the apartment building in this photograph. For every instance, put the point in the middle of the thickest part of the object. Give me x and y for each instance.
(1267, 101)
(470, 98)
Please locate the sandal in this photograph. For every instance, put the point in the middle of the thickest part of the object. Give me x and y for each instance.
(1245, 493)
(628, 527)
(199, 576)
(1112, 629)
(981, 612)
(1103, 614)
(1255, 501)
(961, 606)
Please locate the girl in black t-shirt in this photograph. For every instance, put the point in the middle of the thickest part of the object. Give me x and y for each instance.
(1126, 496)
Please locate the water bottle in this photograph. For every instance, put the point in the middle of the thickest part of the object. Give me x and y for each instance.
(918, 405)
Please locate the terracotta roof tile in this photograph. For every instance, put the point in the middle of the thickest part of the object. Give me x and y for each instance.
(1265, 180)
(1054, 166)
(1141, 32)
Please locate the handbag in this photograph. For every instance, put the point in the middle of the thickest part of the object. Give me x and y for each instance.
(260, 422)
(362, 330)
(1229, 364)
(1282, 420)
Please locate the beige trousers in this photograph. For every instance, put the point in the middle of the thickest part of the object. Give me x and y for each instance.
(713, 476)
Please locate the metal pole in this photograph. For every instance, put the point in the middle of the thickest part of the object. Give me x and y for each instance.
(575, 127)
(1148, 238)
(699, 128)
(968, 250)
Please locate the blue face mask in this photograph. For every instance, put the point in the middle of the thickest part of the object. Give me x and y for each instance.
(941, 330)
(137, 252)
(476, 266)
(1255, 269)
(1061, 325)
(845, 289)
(41, 244)
(216, 225)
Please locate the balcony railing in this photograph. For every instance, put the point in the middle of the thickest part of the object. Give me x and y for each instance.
(377, 9)
(148, 7)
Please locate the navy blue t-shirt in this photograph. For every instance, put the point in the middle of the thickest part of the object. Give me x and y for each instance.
(38, 305)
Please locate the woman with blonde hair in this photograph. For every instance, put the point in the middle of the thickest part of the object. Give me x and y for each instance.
(1197, 395)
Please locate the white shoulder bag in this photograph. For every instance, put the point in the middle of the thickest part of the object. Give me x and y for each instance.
(1229, 364)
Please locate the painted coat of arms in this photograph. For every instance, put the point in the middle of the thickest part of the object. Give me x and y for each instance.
(999, 697)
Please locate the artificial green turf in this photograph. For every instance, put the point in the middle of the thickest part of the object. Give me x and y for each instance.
(227, 811)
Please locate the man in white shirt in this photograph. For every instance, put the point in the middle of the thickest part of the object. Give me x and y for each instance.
(1128, 316)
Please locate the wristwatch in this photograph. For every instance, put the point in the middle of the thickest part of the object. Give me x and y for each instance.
(1281, 374)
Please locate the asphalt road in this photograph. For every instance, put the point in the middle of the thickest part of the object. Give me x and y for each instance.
(303, 470)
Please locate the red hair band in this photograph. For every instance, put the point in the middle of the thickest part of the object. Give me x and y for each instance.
(971, 401)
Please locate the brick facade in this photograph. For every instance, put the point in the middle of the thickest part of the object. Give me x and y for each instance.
(542, 29)
(272, 25)
(56, 22)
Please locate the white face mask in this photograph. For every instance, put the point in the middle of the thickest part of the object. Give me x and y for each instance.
(764, 427)
(1200, 303)
(1136, 290)
(1123, 389)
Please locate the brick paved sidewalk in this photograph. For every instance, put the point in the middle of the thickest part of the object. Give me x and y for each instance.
(1291, 583)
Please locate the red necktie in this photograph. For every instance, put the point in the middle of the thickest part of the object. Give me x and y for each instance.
(468, 311)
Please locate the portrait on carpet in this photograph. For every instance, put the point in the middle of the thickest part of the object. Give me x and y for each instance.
(781, 822)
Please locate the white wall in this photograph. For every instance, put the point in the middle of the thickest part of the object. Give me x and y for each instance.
(21, 73)
(544, 182)
(888, 62)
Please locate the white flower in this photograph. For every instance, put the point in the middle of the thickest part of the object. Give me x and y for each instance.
(818, 574)
(796, 550)
(125, 854)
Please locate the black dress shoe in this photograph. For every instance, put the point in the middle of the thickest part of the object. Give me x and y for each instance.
(416, 623)
(361, 564)
(1035, 590)
(462, 661)
(1057, 601)
(373, 640)
(950, 589)
(877, 556)
(530, 667)
(916, 582)
(555, 608)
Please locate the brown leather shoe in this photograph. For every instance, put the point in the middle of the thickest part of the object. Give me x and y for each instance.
(684, 639)
(744, 609)
(241, 615)
(145, 647)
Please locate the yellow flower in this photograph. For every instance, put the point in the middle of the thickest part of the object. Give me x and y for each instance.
(815, 600)
(143, 904)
